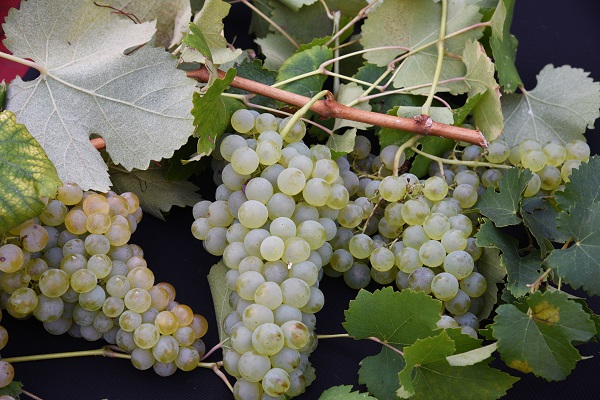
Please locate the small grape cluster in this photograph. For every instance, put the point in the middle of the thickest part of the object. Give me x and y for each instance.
(73, 269)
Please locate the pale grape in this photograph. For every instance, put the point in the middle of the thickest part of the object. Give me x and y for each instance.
(444, 286)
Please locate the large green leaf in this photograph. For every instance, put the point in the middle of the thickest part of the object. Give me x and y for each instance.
(276, 49)
(428, 375)
(521, 271)
(26, 174)
(304, 24)
(380, 373)
(490, 266)
(139, 103)
(172, 17)
(503, 206)
(563, 104)
(540, 217)
(344, 393)
(583, 186)
(579, 265)
(157, 194)
(504, 46)
(538, 338)
(301, 63)
(397, 318)
(413, 23)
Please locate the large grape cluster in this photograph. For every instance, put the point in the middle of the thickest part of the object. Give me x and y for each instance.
(73, 269)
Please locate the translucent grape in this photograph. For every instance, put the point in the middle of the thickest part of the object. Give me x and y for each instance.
(444, 286)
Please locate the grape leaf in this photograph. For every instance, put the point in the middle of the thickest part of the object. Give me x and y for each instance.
(345, 95)
(157, 194)
(428, 375)
(212, 113)
(540, 217)
(172, 17)
(344, 393)
(579, 265)
(461, 114)
(415, 23)
(2, 94)
(303, 24)
(196, 41)
(504, 46)
(397, 318)
(503, 207)
(210, 23)
(254, 70)
(563, 104)
(348, 8)
(14, 389)
(521, 271)
(487, 114)
(341, 144)
(138, 103)
(583, 186)
(472, 357)
(490, 266)
(380, 373)
(480, 69)
(26, 174)
(301, 63)
(540, 341)
(296, 4)
(276, 49)
(220, 295)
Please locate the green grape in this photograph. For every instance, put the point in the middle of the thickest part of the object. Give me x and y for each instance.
(387, 155)
(474, 285)
(268, 294)
(362, 147)
(231, 179)
(23, 301)
(550, 178)
(267, 339)
(242, 121)
(296, 249)
(420, 279)
(83, 280)
(215, 241)
(407, 260)
(11, 258)
(466, 195)
(577, 150)
(341, 260)
(435, 188)
(54, 213)
(534, 159)
(295, 292)
(436, 224)
(459, 304)
(98, 223)
(567, 169)
(305, 212)
(491, 177)
(92, 300)
(48, 309)
(467, 177)
(414, 236)
(276, 382)
(316, 192)
(306, 271)
(533, 186)
(272, 248)
(392, 188)
(453, 240)
(113, 307)
(69, 193)
(382, 259)
(265, 122)
(138, 300)
(268, 152)
(360, 246)
(255, 315)
(462, 223)
(497, 151)
(296, 133)
(247, 283)
(296, 334)
(459, 263)
(527, 145)
(145, 336)
(75, 221)
(303, 163)
(187, 358)
(446, 322)
(432, 253)
(556, 153)
(414, 212)
(33, 238)
(444, 286)
(291, 181)
(253, 366)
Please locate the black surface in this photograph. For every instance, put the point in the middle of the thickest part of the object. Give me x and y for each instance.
(549, 32)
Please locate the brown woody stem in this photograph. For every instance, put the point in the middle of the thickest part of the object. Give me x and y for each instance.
(329, 108)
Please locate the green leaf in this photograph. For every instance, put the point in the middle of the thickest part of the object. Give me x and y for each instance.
(295, 5)
(139, 103)
(540, 217)
(540, 342)
(14, 389)
(177, 169)
(490, 266)
(26, 174)
(344, 393)
(472, 357)
(563, 104)
(487, 114)
(341, 144)
(414, 23)
(480, 69)
(428, 375)
(195, 39)
(210, 23)
(276, 48)
(172, 17)
(583, 186)
(504, 46)
(301, 63)
(380, 373)
(521, 271)
(579, 265)
(349, 8)
(345, 95)
(461, 114)
(438, 114)
(303, 24)
(212, 113)
(503, 207)
(397, 318)
(254, 70)
(2, 94)
(157, 194)
(220, 295)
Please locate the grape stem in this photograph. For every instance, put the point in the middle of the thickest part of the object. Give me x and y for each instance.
(410, 142)
(330, 108)
(29, 394)
(373, 338)
(105, 351)
(298, 114)
(473, 164)
(215, 348)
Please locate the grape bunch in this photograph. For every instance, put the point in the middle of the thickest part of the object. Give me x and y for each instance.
(73, 269)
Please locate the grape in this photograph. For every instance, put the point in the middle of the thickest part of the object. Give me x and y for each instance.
(272, 248)
(420, 279)
(268, 339)
(446, 322)
(459, 304)
(466, 195)
(242, 121)
(474, 284)
(268, 152)
(296, 133)
(436, 224)
(459, 263)
(467, 177)
(432, 253)
(266, 122)
(444, 286)
(392, 188)
(533, 186)
(550, 177)
(414, 236)
(255, 315)
(567, 169)
(577, 150)
(33, 238)
(295, 292)
(435, 188)
(291, 181)
(362, 147)
(534, 159)
(491, 177)
(316, 192)
(306, 271)
(497, 151)
(11, 258)
(556, 153)
(253, 366)
(414, 212)
(382, 259)
(247, 283)
(360, 246)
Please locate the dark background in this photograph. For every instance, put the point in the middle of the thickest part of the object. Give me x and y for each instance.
(548, 31)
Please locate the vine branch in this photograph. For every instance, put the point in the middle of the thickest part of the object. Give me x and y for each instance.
(330, 108)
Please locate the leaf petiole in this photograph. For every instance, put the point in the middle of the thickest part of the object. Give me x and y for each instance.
(43, 71)
(298, 114)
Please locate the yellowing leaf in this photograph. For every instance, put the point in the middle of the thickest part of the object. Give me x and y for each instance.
(563, 104)
(26, 174)
(172, 17)
(139, 103)
(157, 194)
(472, 356)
